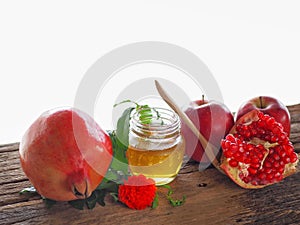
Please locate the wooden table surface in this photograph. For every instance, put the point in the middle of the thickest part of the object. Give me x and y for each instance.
(219, 202)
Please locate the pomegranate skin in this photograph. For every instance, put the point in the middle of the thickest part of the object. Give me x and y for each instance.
(65, 154)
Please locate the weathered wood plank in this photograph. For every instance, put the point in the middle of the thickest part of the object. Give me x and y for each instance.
(201, 201)
(277, 204)
(219, 202)
(10, 167)
(9, 147)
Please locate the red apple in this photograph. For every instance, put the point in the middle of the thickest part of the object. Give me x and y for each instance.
(270, 106)
(214, 121)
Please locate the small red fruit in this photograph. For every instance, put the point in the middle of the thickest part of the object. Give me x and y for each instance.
(268, 105)
(257, 152)
(214, 121)
(65, 154)
(138, 192)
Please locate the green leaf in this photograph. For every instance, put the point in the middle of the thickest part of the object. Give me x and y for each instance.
(92, 200)
(28, 191)
(155, 202)
(115, 196)
(145, 114)
(108, 186)
(126, 101)
(122, 131)
(166, 186)
(49, 202)
(97, 196)
(31, 191)
(100, 198)
(77, 204)
(118, 169)
(174, 202)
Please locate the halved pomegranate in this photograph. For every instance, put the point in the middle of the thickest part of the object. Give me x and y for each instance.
(257, 152)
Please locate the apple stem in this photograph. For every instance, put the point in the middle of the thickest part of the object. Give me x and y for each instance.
(202, 98)
(260, 102)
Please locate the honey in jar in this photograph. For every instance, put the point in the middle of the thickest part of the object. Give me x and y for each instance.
(156, 147)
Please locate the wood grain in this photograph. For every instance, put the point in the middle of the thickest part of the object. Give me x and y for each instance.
(220, 201)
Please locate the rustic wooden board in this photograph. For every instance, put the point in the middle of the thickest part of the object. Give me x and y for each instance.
(219, 202)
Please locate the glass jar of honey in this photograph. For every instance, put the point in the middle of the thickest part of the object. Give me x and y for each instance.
(156, 147)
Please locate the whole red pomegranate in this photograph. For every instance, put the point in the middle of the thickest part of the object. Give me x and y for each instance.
(65, 154)
(257, 152)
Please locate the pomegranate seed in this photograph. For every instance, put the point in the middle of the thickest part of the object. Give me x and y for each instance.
(294, 157)
(231, 138)
(260, 115)
(261, 176)
(252, 154)
(238, 156)
(233, 163)
(268, 170)
(254, 182)
(260, 123)
(246, 180)
(260, 156)
(270, 176)
(260, 147)
(270, 121)
(241, 176)
(277, 130)
(284, 142)
(271, 160)
(268, 137)
(280, 170)
(247, 160)
(274, 139)
(282, 153)
(268, 164)
(250, 147)
(286, 160)
(247, 134)
(254, 132)
(276, 157)
(252, 171)
(282, 137)
(233, 147)
(262, 132)
(255, 166)
(228, 154)
(226, 144)
(276, 164)
(241, 150)
(239, 141)
(288, 149)
(223, 145)
(255, 160)
(276, 175)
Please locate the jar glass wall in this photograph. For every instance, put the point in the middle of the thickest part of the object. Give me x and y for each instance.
(156, 147)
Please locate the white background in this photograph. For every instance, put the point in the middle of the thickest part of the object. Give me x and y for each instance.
(251, 47)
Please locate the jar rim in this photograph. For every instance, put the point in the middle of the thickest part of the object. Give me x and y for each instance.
(168, 127)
